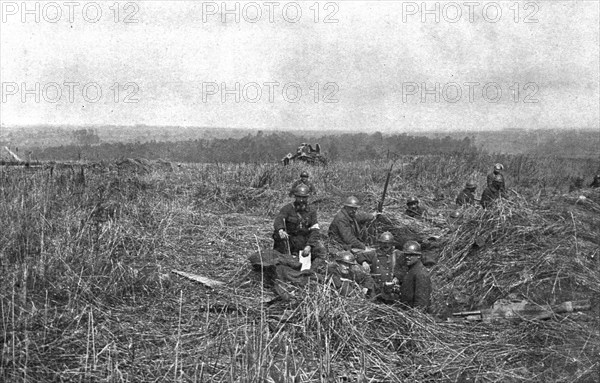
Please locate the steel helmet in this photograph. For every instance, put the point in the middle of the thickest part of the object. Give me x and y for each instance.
(412, 200)
(304, 174)
(412, 247)
(346, 257)
(386, 237)
(499, 167)
(455, 214)
(352, 201)
(471, 185)
(302, 191)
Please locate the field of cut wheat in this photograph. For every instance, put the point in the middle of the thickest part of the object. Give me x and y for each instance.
(87, 292)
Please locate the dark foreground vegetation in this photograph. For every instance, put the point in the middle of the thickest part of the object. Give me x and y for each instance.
(87, 292)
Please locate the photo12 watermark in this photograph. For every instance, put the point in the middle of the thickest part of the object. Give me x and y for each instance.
(270, 12)
(70, 11)
(471, 92)
(70, 92)
(270, 92)
(470, 11)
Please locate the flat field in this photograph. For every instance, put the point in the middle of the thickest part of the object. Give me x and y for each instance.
(88, 295)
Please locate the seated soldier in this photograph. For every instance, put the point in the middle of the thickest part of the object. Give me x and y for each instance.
(415, 291)
(493, 192)
(496, 175)
(387, 268)
(303, 181)
(297, 229)
(344, 273)
(413, 209)
(349, 227)
(467, 195)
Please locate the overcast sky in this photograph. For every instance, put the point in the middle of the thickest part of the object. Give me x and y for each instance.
(369, 65)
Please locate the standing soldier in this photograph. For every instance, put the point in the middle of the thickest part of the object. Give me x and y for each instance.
(413, 209)
(498, 168)
(345, 228)
(345, 271)
(303, 181)
(416, 286)
(493, 192)
(296, 228)
(467, 195)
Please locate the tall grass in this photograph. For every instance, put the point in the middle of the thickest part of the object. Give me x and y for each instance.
(87, 295)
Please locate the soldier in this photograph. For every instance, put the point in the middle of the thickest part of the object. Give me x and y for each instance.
(493, 192)
(416, 287)
(596, 182)
(413, 209)
(296, 228)
(345, 270)
(467, 195)
(303, 181)
(345, 228)
(387, 268)
(497, 172)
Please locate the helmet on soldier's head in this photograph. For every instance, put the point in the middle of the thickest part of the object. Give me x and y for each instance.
(471, 185)
(346, 257)
(386, 237)
(304, 174)
(455, 214)
(412, 200)
(352, 201)
(498, 167)
(302, 191)
(411, 247)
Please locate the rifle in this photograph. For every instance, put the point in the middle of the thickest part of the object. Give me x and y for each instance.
(387, 182)
(507, 311)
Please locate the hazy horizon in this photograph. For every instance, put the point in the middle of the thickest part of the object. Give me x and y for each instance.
(386, 66)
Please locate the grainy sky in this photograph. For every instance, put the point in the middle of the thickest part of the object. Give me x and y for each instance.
(361, 65)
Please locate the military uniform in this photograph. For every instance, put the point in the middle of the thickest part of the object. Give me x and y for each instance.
(346, 230)
(416, 287)
(298, 226)
(342, 282)
(311, 186)
(465, 197)
(492, 176)
(385, 266)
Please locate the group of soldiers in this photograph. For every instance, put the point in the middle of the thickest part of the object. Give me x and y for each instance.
(394, 271)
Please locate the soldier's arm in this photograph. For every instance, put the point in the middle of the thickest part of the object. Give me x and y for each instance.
(314, 230)
(348, 237)
(279, 222)
(362, 217)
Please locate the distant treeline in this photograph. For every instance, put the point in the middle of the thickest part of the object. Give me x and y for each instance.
(261, 148)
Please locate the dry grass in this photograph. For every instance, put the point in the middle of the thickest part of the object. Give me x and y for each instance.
(87, 293)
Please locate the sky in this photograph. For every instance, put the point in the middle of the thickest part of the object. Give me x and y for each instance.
(390, 66)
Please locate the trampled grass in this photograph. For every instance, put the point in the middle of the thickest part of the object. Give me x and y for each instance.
(87, 293)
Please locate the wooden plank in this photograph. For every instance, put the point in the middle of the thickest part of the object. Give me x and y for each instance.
(198, 278)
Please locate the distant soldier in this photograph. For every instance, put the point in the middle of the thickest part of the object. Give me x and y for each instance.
(498, 168)
(493, 192)
(303, 181)
(596, 182)
(467, 195)
(296, 228)
(413, 209)
(344, 273)
(416, 286)
(348, 226)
